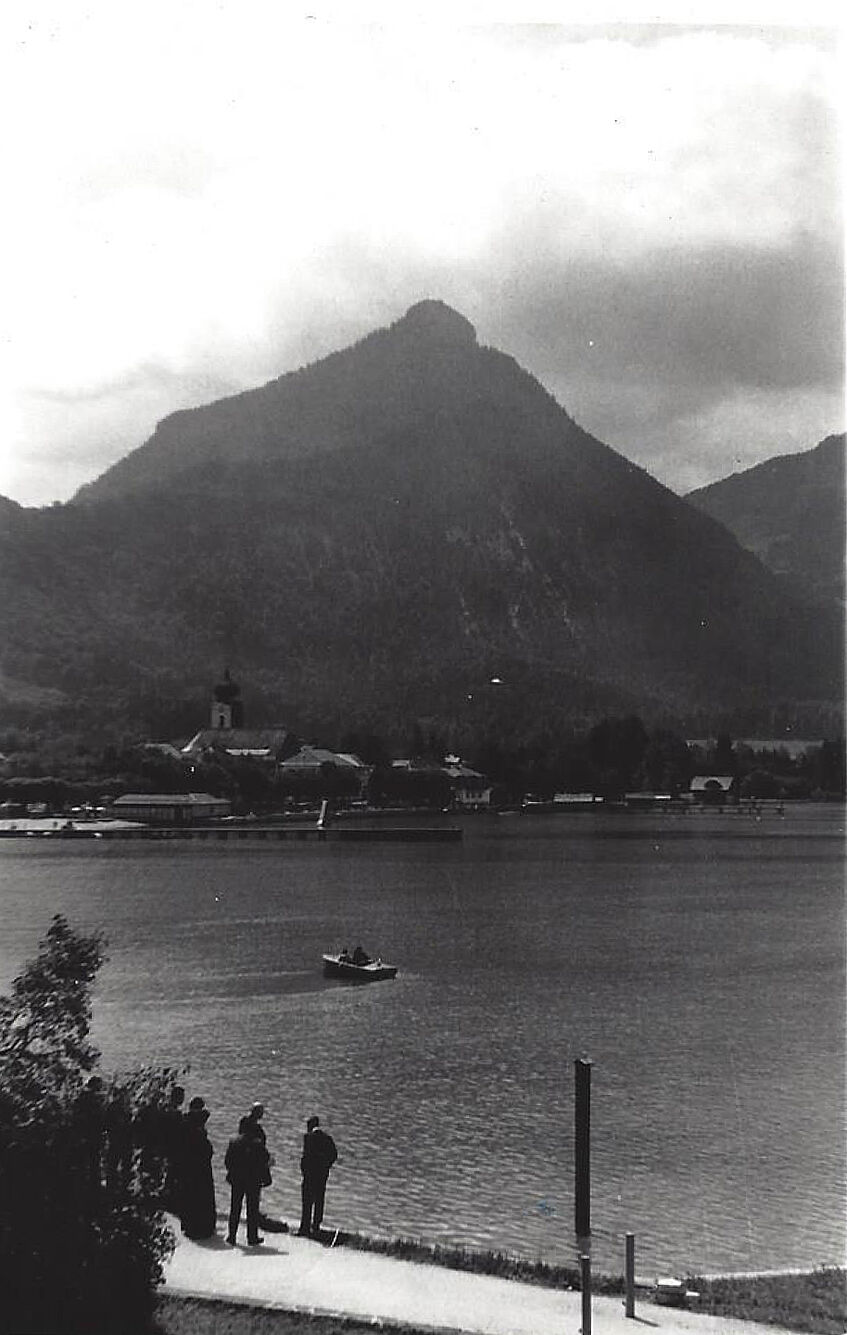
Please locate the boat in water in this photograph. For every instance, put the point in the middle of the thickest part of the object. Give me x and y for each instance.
(357, 971)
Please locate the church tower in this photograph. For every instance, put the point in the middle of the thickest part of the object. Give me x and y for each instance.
(227, 707)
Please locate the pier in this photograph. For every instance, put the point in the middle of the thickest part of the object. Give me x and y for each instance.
(124, 830)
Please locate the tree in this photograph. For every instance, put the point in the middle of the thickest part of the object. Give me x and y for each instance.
(426, 787)
(368, 746)
(828, 767)
(760, 783)
(616, 749)
(79, 1256)
(667, 766)
(725, 760)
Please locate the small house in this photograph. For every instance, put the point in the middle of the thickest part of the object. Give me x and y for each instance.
(470, 790)
(316, 762)
(713, 789)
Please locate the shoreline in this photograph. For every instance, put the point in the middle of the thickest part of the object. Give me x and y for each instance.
(548, 1274)
(355, 1280)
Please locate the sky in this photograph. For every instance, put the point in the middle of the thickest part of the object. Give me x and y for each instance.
(203, 195)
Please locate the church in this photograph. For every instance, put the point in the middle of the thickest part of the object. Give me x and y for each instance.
(226, 730)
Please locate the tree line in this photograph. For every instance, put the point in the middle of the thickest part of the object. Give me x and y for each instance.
(615, 756)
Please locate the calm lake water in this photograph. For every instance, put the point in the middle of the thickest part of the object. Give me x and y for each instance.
(699, 961)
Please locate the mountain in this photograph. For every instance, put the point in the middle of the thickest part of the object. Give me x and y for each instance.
(378, 536)
(789, 511)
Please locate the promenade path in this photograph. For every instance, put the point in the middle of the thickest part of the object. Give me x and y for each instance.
(296, 1274)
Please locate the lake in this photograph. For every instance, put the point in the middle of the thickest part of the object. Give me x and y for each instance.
(698, 960)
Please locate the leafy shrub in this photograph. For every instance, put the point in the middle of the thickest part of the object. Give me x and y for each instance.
(79, 1255)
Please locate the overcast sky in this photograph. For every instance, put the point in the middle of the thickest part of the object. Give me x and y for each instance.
(201, 196)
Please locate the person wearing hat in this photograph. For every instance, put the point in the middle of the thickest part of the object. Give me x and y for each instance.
(196, 1186)
(319, 1154)
(247, 1171)
(254, 1121)
(254, 1117)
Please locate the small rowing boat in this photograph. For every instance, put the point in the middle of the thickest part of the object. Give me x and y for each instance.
(370, 971)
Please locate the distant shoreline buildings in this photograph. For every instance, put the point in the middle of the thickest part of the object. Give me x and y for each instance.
(229, 769)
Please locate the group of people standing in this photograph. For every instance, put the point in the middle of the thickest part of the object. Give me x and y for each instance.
(248, 1170)
(169, 1148)
(175, 1159)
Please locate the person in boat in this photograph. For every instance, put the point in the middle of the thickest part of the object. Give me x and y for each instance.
(345, 957)
(361, 956)
(319, 1154)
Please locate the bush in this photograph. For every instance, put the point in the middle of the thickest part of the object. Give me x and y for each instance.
(79, 1256)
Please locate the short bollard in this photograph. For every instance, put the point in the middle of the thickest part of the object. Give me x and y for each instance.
(630, 1274)
(585, 1283)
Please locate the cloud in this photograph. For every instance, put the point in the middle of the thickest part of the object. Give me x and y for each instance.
(648, 218)
(701, 323)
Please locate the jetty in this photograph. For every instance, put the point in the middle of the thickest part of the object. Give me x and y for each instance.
(252, 831)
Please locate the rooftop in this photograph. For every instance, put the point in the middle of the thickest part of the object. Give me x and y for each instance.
(168, 799)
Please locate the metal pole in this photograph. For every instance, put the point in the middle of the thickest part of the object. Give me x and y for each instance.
(585, 1284)
(582, 1149)
(630, 1274)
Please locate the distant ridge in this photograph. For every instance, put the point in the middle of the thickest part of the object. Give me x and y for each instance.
(789, 511)
(378, 535)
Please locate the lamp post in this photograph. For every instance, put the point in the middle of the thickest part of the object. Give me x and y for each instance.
(582, 1152)
(582, 1181)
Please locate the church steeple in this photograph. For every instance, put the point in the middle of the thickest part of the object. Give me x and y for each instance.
(227, 707)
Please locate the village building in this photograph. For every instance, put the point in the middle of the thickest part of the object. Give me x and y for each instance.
(470, 789)
(314, 762)
(576, 801)
(645, 801)
(171, 808)
(226, 730)
(715, 789)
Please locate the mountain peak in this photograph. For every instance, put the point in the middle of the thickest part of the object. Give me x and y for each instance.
(432, 318)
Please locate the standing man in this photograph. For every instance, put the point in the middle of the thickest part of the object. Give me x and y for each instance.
(319, 1154)
(247, 1171)
(254, 1117)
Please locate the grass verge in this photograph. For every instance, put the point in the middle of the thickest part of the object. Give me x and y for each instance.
(212, 1316)
(815, 1301)
(500, 1264)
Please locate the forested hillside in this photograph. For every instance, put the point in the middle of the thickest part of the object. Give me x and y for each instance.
(374, 539)
(790, 512)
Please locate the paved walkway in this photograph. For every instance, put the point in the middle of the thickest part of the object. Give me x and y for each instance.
(296, 1274)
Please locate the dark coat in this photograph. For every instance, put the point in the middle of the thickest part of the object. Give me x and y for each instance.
(247, 1162)
(196, 1184)
(319, 1154)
